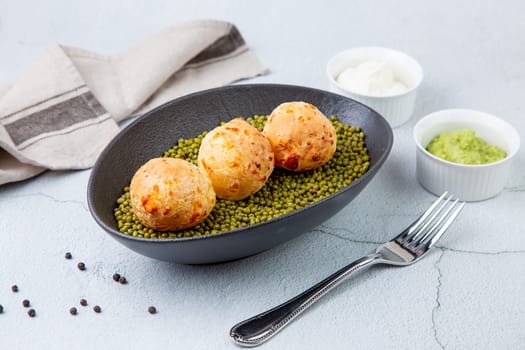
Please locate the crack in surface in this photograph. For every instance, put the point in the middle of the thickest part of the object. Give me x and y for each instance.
(517, 188)
(464, 251)
(442, 249)
(438, 295)
(325, 232)
(45, 195)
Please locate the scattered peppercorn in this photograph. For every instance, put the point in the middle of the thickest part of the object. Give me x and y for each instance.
(73, 311)
(81, 266)
(152, 310)
(116, 277)
(122, 280)
(1, 309)
(83, 302)
(97, 309)
(14, 288)
(31, 313)
(26, 303)
(68, 255)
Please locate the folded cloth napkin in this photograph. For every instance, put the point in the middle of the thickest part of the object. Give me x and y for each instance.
(64, 110)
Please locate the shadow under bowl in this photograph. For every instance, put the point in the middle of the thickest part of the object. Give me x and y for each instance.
(158, 130)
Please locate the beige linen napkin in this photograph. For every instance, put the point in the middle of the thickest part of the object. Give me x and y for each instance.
(64, 110)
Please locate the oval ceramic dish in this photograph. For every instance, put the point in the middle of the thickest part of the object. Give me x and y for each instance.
(156, 131)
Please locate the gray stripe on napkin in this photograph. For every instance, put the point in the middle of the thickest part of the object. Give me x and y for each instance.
(223, 46)
(43, 101)
(56, 117)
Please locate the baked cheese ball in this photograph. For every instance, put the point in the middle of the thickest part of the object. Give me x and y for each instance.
(301, 136)
(237, 158)
(169, 194)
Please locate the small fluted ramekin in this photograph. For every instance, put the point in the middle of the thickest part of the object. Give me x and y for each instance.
(468, 182)
(396, 108)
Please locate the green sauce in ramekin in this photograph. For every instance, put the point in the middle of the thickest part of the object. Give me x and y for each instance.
(464, 147)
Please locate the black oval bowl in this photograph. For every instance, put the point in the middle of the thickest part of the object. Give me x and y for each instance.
(158, 130)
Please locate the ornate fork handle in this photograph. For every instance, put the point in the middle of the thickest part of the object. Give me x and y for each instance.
(258, 329)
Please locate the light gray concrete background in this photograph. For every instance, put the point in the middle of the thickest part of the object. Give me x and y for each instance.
(467, 294)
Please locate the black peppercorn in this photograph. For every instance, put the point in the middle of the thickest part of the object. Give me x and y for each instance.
(122, 280)
(14, 288)
(31, 313)
(152, 310)
(68, 255)
(116, 277)
(81, 266)
(26, 303)
(1, 309)
(97, 309)
(73, 311)
(83, 302)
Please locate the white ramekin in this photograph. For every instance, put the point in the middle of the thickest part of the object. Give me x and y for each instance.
(468, 182)
(396, 109)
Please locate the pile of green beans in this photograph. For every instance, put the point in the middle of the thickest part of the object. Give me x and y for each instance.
(283, 193)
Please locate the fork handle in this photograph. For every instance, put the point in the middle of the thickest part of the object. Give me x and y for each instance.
(258, 329)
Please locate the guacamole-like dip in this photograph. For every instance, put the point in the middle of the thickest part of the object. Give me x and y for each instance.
(463, 146)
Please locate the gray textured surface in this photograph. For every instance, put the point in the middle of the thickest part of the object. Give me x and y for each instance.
(467, 294)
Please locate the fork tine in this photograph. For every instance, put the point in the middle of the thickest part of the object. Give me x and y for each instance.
(442, 223)
(436, 218)
(434, 238)
(409, 233)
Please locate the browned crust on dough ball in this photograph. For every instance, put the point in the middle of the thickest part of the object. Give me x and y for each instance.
(237, 158)
(170, 194)
(301, 136)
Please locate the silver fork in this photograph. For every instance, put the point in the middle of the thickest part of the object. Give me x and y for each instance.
(405, 249)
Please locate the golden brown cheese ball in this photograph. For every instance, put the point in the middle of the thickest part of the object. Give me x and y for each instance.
(169, 194)
(301, 136)
(238, 159)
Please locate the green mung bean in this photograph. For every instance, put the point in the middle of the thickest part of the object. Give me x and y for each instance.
(283, 193)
